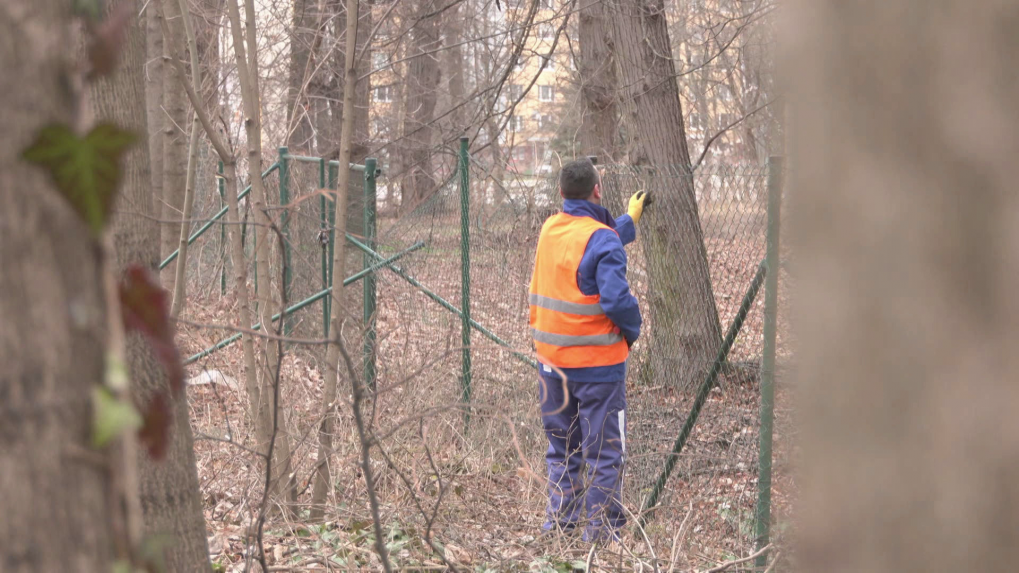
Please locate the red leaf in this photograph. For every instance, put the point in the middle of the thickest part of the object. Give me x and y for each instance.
(145, 307)
(155, 431)
(107, 40)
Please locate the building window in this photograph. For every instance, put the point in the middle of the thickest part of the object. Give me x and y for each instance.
(519, 153)
(546, 93)
(544, 120)
(516, 123)
(380, 60)
(516, 91)
(384, 94)
(549, 63)
(546, 31)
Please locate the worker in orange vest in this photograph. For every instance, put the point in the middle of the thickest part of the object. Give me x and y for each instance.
(583, 321)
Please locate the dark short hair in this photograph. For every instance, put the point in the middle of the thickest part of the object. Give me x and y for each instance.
(577, 179)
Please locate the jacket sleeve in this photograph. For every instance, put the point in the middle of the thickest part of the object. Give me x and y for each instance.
(626, 229)
(606, 250)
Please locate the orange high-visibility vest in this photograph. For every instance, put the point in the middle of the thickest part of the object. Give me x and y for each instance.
(569, 328)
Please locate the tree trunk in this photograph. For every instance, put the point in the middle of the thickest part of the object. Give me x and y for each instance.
(423, 76)
(684, 332)
(907, 253)
(454, 28)
(247, 72)
(360, 141)
(599, 88)
(304, 34)
(52, 336)
(175, 140)
(154, 94)
(180, 277)
(170, 496)
(322, 483)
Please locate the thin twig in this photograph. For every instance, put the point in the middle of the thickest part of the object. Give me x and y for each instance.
(729, 564)
(417, 503)
(647, 540)
(677, 541)
(260, 523)
(366, 467)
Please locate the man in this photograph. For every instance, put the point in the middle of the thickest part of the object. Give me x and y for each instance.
(584, 320)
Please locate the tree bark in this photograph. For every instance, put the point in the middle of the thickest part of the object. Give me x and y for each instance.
(360, 144)
(454, 28)
(905, 223)
(180, 276)
(684, 332)
(155, 76)
(304, 37)
(170, 495)
(52, 336)
(174, 139)
(598, 85)
(423, 77)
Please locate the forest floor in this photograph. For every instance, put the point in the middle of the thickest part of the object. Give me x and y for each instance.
(477, 495)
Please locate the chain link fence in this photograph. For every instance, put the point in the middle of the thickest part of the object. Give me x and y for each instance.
(698, 250)
(717, 471)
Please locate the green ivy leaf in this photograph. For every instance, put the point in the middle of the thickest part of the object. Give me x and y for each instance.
(86, 170)
(111, 417)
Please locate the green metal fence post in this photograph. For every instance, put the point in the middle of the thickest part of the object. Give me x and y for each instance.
(763, 513)
(369, 281)
(221, 184)
(465, 278)
(334, 173)
(323, 238)
(285, 229)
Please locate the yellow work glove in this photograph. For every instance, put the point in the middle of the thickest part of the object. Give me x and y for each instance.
(636, 208)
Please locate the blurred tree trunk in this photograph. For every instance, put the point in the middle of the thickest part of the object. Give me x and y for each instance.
(684, 332)
(174, 139)
(596, 69)
(52, 336)
(907, 252)
(423, 75)
(170, 496)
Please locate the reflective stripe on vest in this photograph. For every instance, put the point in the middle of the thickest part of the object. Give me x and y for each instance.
(569, 328)
(568, 340)
(565, 306)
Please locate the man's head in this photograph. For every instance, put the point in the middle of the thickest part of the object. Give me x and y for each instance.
(579, 180)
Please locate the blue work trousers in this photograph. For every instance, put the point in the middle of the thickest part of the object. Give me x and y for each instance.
(585, 423)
